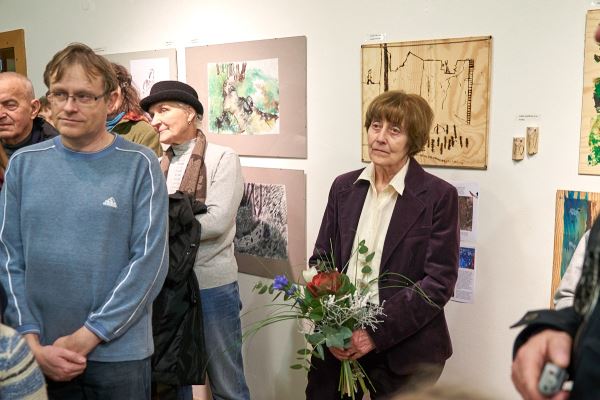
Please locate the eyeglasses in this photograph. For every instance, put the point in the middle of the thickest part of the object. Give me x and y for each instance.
(60, 98)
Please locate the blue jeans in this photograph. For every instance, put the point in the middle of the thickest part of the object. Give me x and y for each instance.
(123, 380)
(223, 341)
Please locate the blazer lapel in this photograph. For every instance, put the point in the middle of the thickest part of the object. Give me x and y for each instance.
(351, 201)
(406, 212)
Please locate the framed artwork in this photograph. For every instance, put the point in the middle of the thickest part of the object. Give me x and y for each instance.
(575, 214)
(148, 67)
(468, 209)
(254, 95)
(589, 143)
(270, 236)
(12, 52)
(453, 75)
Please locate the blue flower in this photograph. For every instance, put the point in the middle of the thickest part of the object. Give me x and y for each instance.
(280, 282)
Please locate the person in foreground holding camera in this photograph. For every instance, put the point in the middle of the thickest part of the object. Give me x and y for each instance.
(567, 338)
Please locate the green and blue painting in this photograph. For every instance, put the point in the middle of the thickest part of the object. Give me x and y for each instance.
(243, 97)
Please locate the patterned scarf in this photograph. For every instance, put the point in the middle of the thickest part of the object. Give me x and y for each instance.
(194, 177)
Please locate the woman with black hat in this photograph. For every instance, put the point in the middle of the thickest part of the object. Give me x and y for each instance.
(213, 175)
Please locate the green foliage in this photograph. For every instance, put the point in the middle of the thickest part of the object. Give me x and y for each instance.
(336, 308)
(336, 337)
(316, 314)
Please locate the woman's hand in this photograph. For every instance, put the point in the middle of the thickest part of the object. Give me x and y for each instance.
(360, 344)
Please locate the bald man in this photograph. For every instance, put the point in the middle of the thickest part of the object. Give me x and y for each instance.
(19, 124)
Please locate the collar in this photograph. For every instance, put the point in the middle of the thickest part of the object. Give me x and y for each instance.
(397, 182)
(183, 148)
(111, 123)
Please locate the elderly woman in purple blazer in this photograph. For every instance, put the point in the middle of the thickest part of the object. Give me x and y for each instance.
(409, 218)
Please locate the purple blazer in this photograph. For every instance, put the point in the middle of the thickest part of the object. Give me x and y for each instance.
(421, 243)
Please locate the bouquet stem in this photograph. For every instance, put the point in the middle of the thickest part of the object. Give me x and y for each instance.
(352, 375)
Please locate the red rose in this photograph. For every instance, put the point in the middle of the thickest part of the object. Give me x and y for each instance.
(325, 283)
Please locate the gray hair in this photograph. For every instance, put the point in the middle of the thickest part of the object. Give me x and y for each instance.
(190, 109)
(25, 82)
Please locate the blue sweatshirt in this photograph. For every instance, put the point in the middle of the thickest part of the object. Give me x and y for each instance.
(83, 241)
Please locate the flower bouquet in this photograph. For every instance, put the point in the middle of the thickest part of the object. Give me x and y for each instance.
(335, 306)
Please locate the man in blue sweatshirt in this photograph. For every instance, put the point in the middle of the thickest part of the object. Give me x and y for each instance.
(83, 240)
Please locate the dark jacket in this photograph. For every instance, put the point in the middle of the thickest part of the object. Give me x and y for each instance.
(179, 356)
(584, 328)
(40, 131)
(421, 243)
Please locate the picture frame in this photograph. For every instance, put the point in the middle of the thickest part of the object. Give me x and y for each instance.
(271, 225)
(147, 67)
(575, 214)
(453, 76)
(243, 117)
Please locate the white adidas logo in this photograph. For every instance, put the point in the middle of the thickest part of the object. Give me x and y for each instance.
(110, 202)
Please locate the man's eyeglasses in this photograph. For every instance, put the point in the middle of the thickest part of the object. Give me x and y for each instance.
(60, 98)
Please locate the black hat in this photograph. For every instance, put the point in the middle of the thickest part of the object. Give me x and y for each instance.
(172, 91)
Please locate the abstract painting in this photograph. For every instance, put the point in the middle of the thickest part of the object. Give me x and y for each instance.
(575, 214)
(254, 94)
(466, 257)
(464, 290)
(243, 97)
(147, 67)
(270, 234)
(453, 76)
(589, 144)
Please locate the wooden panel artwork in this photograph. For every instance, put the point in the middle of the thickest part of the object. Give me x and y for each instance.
(575, 214)
(518, 148)
(453, 76)
(533, 136)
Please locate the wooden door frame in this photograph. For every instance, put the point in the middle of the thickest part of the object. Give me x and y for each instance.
(16, 40)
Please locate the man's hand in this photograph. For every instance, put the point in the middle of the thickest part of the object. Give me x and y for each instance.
(56, 363)
(360, 344)
(548, 345)
(82, 341)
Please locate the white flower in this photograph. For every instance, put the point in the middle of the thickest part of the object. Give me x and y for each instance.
(309, 273)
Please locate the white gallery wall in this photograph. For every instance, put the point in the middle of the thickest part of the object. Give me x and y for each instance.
(537, 64)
